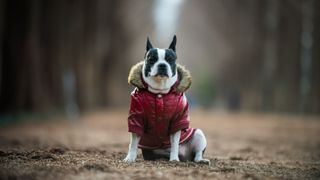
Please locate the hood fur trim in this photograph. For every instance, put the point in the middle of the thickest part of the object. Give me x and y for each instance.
(135, 77)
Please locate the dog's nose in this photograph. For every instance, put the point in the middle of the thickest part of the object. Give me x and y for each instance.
(162, 67)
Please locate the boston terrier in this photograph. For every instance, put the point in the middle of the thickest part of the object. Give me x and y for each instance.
(158, 117)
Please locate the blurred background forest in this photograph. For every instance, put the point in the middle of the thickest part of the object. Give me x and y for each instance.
(74, 56)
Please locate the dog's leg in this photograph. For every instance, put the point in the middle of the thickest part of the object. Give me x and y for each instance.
(198, 144)
(174, 140)
(133, 147)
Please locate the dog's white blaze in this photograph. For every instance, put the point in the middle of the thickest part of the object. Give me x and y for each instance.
(161, 53)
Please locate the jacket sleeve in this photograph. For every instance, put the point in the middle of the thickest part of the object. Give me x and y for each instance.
(135, 119)
(181, 120)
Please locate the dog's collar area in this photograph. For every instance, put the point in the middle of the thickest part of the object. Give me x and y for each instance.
(161, 91)
(158, 91)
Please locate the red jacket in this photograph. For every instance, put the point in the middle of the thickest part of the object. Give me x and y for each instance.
(154, 117)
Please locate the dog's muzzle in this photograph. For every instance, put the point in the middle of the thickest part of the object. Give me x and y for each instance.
(162, 70)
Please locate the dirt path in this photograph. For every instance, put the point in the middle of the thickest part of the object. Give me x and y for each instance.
(243, 146)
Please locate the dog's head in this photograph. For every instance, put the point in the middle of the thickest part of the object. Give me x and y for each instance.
(160, 69)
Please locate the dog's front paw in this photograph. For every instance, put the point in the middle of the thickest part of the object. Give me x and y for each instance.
(174, 159)
(129, 159)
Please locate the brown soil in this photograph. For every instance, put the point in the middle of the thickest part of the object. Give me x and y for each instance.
(240, 146)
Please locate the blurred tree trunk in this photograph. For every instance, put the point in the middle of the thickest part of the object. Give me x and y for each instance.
(288, 66)
(36, 63)
(270, 53)
(15, 90)
(2, 18)
(315, 66)
(306, 50)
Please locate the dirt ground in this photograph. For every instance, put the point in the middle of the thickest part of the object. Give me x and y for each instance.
(240, 146)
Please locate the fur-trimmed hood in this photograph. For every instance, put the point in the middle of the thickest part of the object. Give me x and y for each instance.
(184, 77)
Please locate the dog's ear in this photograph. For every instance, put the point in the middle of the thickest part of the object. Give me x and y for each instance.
(173, 43)
(149, 45)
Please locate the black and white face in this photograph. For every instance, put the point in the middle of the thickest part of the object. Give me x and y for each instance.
(160, 62)
(160, 68)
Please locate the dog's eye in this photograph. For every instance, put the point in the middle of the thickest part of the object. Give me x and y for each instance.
(170, 59)
(152, 59)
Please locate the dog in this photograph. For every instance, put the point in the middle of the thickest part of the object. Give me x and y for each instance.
(158, 117)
